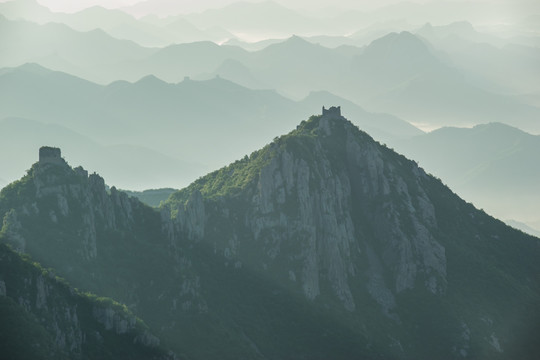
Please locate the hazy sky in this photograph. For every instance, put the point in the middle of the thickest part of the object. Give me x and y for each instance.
(70, 5)
(197, 5)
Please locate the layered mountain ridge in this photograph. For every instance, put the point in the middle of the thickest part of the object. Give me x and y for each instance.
(158, 118)
(491, 165)
(321, 244)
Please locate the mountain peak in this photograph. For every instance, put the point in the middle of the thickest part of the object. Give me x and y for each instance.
(150, 81)
(299, 41)
(323, 220)
(293, 42)
(398, 44)
(461, 28)
(327, 183)
(30, 67)
(51, 168)
(329, 123)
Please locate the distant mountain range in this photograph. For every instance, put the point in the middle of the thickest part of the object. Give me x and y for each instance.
(524, 227)
(142, 167)
(93, 54)
(115, 23)
(159, 23)
(220, 119)
(500, 64)
(152, 197)
(398, 73)
(322, 244)
(494, 165)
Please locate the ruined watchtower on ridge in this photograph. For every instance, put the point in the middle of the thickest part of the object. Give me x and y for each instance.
(332, 112)
(50, 155)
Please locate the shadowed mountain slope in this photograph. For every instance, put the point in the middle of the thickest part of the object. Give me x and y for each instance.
(323, 244)
(352, 225)
(44, 318)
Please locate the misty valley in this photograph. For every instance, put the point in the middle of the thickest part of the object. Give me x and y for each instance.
(230, 179)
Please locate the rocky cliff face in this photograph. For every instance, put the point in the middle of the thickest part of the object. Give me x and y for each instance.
(56, 321)
(328, 207)
(324, 244)
(328, 213)
(60, 192)
(102, 241)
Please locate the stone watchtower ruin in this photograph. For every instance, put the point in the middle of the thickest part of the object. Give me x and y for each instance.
(332, 112)
(50, 155)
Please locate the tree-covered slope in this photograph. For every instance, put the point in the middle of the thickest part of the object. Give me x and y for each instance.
(365, 235)
(113, 245)
(323, 244)
(100, 241)
(44, 318)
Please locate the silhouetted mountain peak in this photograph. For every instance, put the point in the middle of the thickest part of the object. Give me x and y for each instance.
(150, 80)
(500, 132)
(296, 40)
(172, 50)
(461, 25)
(296, 47)
(399, 45)
(493, 130)
(459, 28)
(32, 68)
(497, 126)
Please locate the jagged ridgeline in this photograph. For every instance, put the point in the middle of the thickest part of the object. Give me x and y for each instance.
(322, 245)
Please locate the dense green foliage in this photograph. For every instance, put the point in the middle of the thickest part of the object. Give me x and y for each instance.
(229, 180)
(493, 276)
(44, 318)
(22, 336)
(217, 272)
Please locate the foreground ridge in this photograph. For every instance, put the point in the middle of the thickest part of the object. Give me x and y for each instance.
(322, 244)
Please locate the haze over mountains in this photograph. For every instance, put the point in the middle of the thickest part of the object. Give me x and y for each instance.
(436, 73)
(229, 241)
(24, 137)
(493, 165)
(171, 119)
(397, 73)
